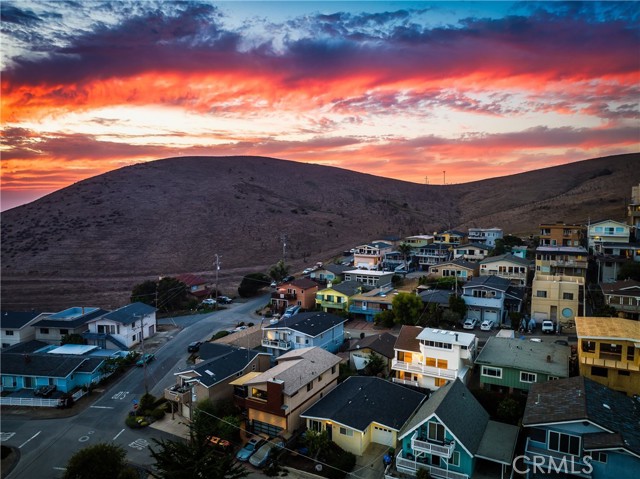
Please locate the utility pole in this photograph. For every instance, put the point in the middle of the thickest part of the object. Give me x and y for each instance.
(284, 247)
(144, 361)
(217, 269)
(444, 177)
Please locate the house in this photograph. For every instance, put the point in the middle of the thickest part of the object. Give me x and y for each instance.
(450, 238)
(451, 433)
(609, 352)
(561, 234)
(197, 286)
(633, 210)
(491, 297)
(562, 260)
(471, 251)
(375, 279)
(439, 297)
(430, 358)
(557, 298)
(577, 425)
(485, 236)
(418, 241)
(336, 297)
(458, 268)
(211, 378)
(431, 255)
(371, 303)
(380, 344)
(17, 326)
(624, 297)
(123, 328)
(273, 401)
(303, 330)
(508, 266)
(612, 257)
(301, 292)
(520, 251)
(370, 256)
(356, 413)
(52, 328)
(329, 273)
(607, 231)
(517, 364)
(395, 261)
(36, 363)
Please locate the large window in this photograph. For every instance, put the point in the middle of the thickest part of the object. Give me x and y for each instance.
(631, 352)
(567, 296)
(455, 459)
(526, 377)
(600, 372)
(435, 432)
(8, 332)
(541, 294)
(346, 432)
(564, 443)
(588, 346)
(491, 372)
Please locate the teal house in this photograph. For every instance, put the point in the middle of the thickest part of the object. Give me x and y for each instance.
(450, 434)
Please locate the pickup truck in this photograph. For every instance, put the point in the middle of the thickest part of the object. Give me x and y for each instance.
(548, 326)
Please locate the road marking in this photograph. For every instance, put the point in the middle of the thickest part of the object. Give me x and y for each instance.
(101, 407)
(60, 468)
(32, 437)
(139, 444)
(5, 436)
(116, 437)
(83, 439)
(120, 395)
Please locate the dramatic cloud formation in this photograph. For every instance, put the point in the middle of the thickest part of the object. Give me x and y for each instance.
(476, 89)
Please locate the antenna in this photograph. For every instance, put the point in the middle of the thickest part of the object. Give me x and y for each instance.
(444, 177)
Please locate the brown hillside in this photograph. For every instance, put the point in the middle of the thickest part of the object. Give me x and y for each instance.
(88, 244)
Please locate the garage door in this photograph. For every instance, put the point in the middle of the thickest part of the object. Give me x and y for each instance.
(473, 314)
(492, 315)
(382, 435)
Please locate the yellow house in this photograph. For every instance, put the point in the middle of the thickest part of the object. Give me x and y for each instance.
(337, 297)
(609, 352)
(357, 413)
(556, 297)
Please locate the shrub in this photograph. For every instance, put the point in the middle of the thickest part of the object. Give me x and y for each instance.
(132, 422)
(158, 413)
(220, 334)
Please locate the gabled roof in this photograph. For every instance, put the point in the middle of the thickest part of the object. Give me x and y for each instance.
(191, 279)
(608, 221)
(130, 313)
(579, 399)
(304, 283)
(297, 368)
(408, 338)
(506, 257)
(46, 365)
(17, 319)
(53, 321)
(380, 343)
(336, 269)
(461, 262)
(312, 323)
(493, 282)
(348, 288)
(627, 287)
(439, 296)
(459, 411)
(607, 328)
(362, 400)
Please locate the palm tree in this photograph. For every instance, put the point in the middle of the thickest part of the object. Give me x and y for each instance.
(405, 250)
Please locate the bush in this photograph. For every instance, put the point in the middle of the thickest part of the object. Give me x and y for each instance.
(158, 413)
(220, 334)
(132, 422)
(342, 462)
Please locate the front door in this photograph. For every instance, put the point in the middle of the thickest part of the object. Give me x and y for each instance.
(329, 431)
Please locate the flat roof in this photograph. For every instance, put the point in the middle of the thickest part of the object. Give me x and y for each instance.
(498, 442)
(368, 272)
(446, 336)
(607, 328)
(74, 349)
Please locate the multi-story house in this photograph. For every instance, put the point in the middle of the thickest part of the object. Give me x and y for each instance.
(450, 238)
(471, 251)
(506, 266)
(485, 236)
(273, 401)
(561, 234)
(491, 298)
(576, 427)
(624, 297)
(562, 260)
(449, 434)
(329, 273)
(213, 375)
(379, 344)
(608, 231)
(52, 328)
(356, 413)
(612, 257)
(370, 256)
(365, 277)
(123, 328)
(508, 364)
(395, 261)
(633, 210)
(432, 254)
(336, 298)
(458, 268)
(608, 352)
(557, 298)
(429, 358)
(303, 330)
(372, 303)
(417, 241)
(17, 326)
(299, 292)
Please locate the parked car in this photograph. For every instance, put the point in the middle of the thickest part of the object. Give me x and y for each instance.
(261, 457)
(308, 270)
(249, 449)
(44, 391)
(274, 283)
(194, 347)
(224, 300)
(470, 323)
(291, 311)
(208, 302)
(548, 327)
(288, 278)
(145, 359)
(486, 325)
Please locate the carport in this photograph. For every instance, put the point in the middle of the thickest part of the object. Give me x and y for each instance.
(497, 446)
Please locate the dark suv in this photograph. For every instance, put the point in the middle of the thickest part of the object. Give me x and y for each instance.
(194, 347)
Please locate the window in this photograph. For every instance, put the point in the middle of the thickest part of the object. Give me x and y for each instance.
(491, 372)
(310, 386)
(567, 296)
(346, 432)
(541, 294)
(333, 369)
(435, 432)
(455, 459)
(538, 435)
(9, 332)
(320, 378)
(599, 456)
(315, 425)
(600, 372)
(631, 353)
(439, 382)
(564, 443)
(588, 346)
(64, 332)
(526, 377)
(553, 378)
(44, 330)
(259, 394)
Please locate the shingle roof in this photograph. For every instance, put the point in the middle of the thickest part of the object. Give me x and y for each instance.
(298, 367)
(191, 279)
(474, 245)
(579, 399)
(362, 400)
(439, 296)
(70, 323)
(627, 287)
(495, 282)
(304, 283)
(458, 410)
(228, 362)
(46, 365)
(506, 257)
(16, 319)
(337, 268)
(312, 323)
(380, 343)
(348, 288)
(408, 338)
(130, 313)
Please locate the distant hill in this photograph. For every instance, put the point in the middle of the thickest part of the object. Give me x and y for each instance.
(89, 243)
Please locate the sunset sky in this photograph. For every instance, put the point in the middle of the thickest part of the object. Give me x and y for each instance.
(404, 90)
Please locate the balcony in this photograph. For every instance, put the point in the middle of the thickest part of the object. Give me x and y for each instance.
(569, 263)
(503, 274)
(331, 304)
(177, 393)
(422, 369)
(440, 449)
(284, 296)
(556, 460)
(406, 382)
(276, 343)
(411, 465)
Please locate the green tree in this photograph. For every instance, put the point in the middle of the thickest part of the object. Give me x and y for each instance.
(317, 442)
(407, 308)
(145, 292)
(450, 319)
(629, 270)
(252, 283)
(385, 318)
(405, 250)
(509, 410)
(279, 271)
(100, 461)
(73, 339)
(170, 293)
(375, 364)
(457, 305)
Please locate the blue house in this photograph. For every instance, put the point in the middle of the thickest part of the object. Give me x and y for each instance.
(580, 428)
(450, 433)
(304, 330)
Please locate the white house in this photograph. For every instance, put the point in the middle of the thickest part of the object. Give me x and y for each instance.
(123, 328)
(17, 326)
(506, 266)
(486, 236)
(608, 231)
(371, 255)
(366, 277)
